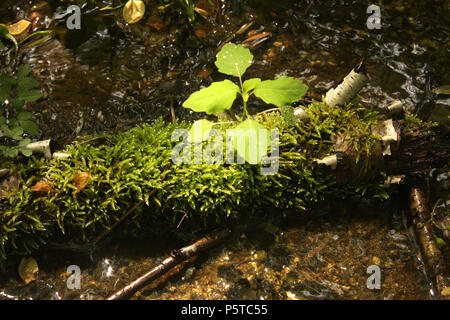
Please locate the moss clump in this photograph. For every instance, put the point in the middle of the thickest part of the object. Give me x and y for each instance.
(131, 164)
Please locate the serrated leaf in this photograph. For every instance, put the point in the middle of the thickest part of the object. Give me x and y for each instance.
(29, 127)
(6, 83)
(29, 95)
(282, 91)
(23, 71)
(24, 115)
(233, 59)
(200, 129)
(24, 142)
(247, 129)
(216, 98)
(27, 83)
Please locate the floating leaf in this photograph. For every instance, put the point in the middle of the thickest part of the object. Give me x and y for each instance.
(216, 98)
(282, 91)
(80, 180)
(200, 129)
(18, 28)
(42, 187)
(247, 129)
(233, 59)
(28, 268)
(133, 11)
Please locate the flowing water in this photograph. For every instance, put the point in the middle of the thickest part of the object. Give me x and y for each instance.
(109, 76)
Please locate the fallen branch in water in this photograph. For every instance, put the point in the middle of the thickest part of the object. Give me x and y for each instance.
(176, 257)
(432, 256)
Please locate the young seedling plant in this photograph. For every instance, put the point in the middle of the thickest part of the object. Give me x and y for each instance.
(15, 122)
(234, 60)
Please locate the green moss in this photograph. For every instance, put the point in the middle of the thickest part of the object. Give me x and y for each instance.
(131, 164)
(412, 122)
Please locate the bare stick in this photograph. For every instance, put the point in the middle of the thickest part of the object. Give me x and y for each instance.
(175, 258)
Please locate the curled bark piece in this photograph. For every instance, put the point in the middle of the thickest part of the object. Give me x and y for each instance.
(176, 257)
(301, 114)
(61, 155)
(395, 108)
(388, 134)
(330, 161)
(44, 146)
(348, 88)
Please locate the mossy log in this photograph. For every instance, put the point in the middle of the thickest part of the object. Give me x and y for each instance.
(135, 166)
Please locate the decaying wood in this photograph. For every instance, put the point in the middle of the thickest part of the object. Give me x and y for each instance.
(433, 258)
(176, 257)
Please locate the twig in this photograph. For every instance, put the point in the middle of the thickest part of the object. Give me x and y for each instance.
(175, 258)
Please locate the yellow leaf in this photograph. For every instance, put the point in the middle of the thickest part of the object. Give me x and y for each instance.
(28, 268)
(133, 11)
(18, 28)
(80, 180)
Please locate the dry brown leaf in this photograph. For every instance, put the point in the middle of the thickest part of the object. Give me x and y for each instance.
(200, 33)
(80, 180)
(28, 268)
(257, 36)
(133, 11)
(18, 28)
(43, 187)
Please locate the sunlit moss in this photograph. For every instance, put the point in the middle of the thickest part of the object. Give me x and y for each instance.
(131, 164)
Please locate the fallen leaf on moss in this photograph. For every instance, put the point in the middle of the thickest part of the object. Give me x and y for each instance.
(133, 11)
(42, 187)
(28, 268)
(80, 180)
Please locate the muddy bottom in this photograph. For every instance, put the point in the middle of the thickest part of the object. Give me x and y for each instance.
(323, 255)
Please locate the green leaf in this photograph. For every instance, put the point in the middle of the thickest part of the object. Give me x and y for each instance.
(27, 83)
(26, 152)
(24, 142)
(250, 84)
(29, 127)
(2, 46)
(29, 95)
(200, 129)
(18, 103)
(216, 98)
(282, 91)
(2, 120)
(6, 83)
(6, 33)
(24, 115)
(233, 59)
(248, 128)
(24, 70)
